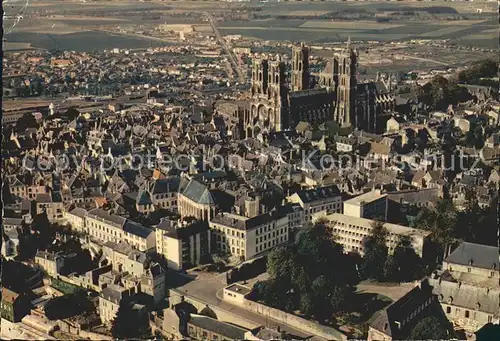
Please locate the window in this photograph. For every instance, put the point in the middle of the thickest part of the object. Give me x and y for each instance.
(467, 314)
(468, 269)
(448, 310)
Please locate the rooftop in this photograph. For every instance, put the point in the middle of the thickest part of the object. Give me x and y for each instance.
(394, 228)
(320, 193)
(238, 288)
(365, 198)
(477, 255)
(222, 328)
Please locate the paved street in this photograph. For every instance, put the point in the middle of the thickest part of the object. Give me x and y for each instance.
(393, 291)
(208, 288)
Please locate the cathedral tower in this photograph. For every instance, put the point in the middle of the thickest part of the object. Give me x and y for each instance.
(259, 77)
(277, 91)
(346, 90)
(300, 68)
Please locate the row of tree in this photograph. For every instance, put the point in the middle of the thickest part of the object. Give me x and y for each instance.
(449, 225)
(403, 265)
(313, 276)
(440, 92)
(480, 74)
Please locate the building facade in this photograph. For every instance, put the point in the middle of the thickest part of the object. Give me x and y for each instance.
(105, 226)
(277, 103)
(328, 199)
(351, 232)
(184, 244)
(247, 237)
(468, 289)
(371, 205)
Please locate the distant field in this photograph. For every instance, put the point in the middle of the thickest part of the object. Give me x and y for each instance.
(442, 31)
(7, 46)
(305, 13)
(353, 25)
(483, 35)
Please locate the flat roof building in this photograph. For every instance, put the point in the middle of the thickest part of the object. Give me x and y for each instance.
(371, 205)
(352, 231)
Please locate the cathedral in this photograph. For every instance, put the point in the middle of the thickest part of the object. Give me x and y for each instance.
(278, 102)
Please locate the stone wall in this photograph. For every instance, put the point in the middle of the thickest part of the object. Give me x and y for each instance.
(294, 321)
(222, 315)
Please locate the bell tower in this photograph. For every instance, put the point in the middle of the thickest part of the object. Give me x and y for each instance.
(277, 93)
(300, 68)
(259, 77)
(346, 91)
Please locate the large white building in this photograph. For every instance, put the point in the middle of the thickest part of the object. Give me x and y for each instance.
(183, 244)
(370, 205)
(352, 230)
(106, 226)
(247, 237)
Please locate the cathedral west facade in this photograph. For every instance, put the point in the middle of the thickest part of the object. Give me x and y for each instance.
(278, 102)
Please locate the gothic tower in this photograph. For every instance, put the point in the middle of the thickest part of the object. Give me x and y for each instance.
(346, 90)
(300, 68)
(259, 77)
(277, 93)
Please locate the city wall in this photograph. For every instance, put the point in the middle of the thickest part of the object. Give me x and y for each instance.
(222, 315)
(294, 321)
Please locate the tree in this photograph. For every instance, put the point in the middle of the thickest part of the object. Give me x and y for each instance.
(439, 93)
(307, 306)
(68, 306)
(429, 328)
(391, 269)
(129, 323)
(408, 263)
(376, 252)
(26, 121)
(476, 224)
(304, 276)
(441, 221)
(43, 230)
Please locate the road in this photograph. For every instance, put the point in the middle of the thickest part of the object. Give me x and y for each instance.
(227, 48)
(208, 289)
(393, 291)
(426, 60)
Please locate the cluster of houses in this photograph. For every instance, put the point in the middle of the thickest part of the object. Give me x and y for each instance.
(182, 183)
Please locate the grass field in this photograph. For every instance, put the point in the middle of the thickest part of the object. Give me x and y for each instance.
(488, 34)
(352, 25)
(442, 31)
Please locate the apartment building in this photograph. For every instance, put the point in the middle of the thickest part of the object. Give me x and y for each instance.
(326, 198)
(164, 193)
(295, 215)
(371, 205)
(106, 226)
(76, 218)
(51, 263)
(184, 244)
(109, 301)
(52, 205)
(351, 232)
(247, 237)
